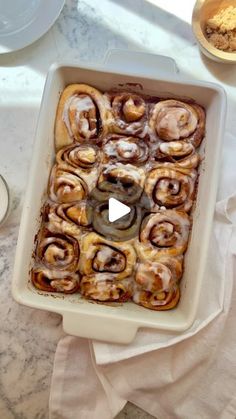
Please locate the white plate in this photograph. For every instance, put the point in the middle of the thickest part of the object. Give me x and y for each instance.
(24, 21)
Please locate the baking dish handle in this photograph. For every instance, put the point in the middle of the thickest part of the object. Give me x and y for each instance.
(111, 330)
(141, 63)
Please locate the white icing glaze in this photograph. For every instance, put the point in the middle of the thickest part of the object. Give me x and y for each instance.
(174, 121)
(128, 149)
(63, 284)
(104, 254)
(149, 271)
(79, 105)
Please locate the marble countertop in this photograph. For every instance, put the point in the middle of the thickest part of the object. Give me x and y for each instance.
(84, 31)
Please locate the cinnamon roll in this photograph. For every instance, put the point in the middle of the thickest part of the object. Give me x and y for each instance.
(170, 186)
(82, 115)
(125, 228)
(123, 181)
(65, 185)
(160, 300)
(69, 218)
(99, 255)
(156, 284)
(180, 153)
(102, 287)
(129, 112)
(55, 281)
(164, 233)
(126, 150)
(81, 159)
(82, 156)
(175, 120)
(58, 252)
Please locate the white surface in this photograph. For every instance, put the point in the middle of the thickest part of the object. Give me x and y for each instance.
(116, 210)
(24, 21)
(96, 321)
(28, 337)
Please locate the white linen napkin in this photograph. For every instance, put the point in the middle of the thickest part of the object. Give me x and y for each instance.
(191, 375)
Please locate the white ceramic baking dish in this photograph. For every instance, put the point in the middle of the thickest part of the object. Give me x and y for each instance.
(120, 323)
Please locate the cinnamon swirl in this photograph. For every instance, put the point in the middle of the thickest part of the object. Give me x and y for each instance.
(164, 233)
(171, 186)
(129, 111)
(58, 252)
(83, 160)
(99, 255)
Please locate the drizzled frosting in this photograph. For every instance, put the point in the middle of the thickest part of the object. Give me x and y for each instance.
(126, 150)
(79, 115)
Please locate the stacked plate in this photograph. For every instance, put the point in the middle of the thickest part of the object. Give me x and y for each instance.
(24, 21)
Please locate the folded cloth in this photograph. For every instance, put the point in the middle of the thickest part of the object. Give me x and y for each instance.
(189, 375)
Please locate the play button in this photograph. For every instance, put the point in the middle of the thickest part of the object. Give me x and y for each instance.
(119, 203)
(117, 210)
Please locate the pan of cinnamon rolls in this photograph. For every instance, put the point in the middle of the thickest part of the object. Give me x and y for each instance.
(142, 150)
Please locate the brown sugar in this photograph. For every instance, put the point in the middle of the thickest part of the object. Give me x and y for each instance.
(221, 29)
